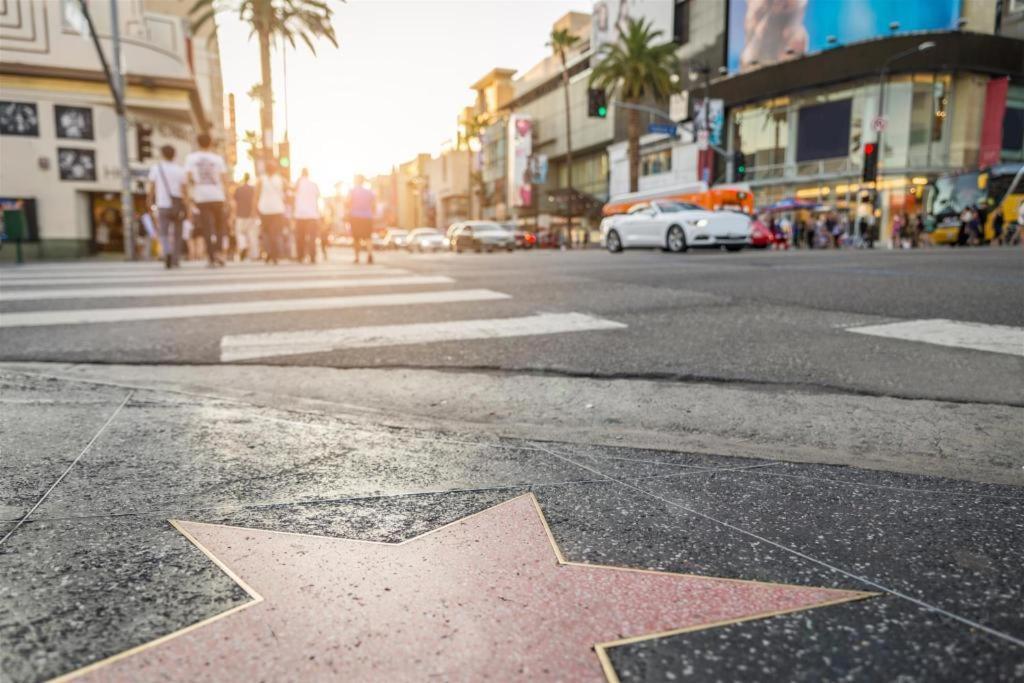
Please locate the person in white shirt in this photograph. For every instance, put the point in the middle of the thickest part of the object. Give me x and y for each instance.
(307, 217)
(271, 189)
(167, 193)
(208, 176)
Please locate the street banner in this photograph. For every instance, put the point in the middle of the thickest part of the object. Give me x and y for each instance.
(520, 178)
(716, 115)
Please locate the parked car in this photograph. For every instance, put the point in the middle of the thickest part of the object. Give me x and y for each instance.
(481, 236)
(426, 239)
(675, 226)
(378, 240)
(396, 238)
(760, 236)
(547, 239)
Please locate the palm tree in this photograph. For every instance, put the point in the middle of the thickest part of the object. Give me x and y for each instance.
(306, 20)
(638, 68)
(473, 126)
(560, 42)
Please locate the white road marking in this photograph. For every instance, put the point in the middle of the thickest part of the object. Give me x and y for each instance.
(115, 315)
(220, 288)
(248, 346)
(963, 335)
(18, 277)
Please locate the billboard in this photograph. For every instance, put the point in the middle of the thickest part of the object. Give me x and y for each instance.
(767, 31)
(609, 17)
(520, 149)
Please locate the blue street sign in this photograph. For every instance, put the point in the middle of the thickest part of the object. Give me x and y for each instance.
(663, 128)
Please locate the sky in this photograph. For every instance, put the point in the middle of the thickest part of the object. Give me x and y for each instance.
(395, 85)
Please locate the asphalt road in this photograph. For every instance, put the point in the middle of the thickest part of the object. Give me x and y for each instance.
(777, 319)
(710, 415)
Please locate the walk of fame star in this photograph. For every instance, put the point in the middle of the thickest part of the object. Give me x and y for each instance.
(489, 596)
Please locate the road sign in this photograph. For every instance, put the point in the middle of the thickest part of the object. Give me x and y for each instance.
(879, 123)
(663, 128)
(702, 140)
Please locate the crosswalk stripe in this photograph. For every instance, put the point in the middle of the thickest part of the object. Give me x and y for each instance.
(209, 276)
(954, 333)
(107, 315)
(249, 346)
(13, 276)
(220, 288)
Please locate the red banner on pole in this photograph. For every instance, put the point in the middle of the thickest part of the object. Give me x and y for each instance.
(992, 124)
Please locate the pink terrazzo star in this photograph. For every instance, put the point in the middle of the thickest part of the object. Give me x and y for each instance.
(488, 597)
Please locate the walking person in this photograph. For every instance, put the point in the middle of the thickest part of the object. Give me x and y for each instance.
(247, 225)
(307, 217)
(362, 205)
(208, 175)
(898, 221)
(167, 192)
(271, 189)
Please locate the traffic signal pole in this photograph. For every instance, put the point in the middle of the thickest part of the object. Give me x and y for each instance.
(115, 79)
(127, 206)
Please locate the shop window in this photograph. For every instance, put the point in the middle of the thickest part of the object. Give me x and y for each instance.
(654, 163)
(823, 131)
(1013, 132)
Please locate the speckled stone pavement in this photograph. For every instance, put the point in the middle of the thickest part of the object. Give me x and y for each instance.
(97, 568)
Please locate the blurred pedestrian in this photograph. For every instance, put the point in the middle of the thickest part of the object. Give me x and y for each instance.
(897, 230)
(917, 231)
(271, 189)
(247, 225)
(307, 217)
(208, 175)
(362, 205)
(167, 193)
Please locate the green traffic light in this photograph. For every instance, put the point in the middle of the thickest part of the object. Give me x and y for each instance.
(602, 111)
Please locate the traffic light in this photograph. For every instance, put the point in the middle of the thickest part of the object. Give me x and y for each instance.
(597, 103)
(144, 141)
(284, 158)
(739, 165)
(870, 171)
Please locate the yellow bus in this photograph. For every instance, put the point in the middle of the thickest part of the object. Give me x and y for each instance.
(992, 191)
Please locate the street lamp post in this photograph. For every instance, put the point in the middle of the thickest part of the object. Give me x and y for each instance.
(883, 75)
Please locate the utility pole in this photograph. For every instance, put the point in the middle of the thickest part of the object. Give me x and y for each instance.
(127, 207)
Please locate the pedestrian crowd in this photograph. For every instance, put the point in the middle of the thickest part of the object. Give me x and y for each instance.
(197, 212)
(835, 230)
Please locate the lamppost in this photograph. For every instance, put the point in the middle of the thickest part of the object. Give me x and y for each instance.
(883, 75)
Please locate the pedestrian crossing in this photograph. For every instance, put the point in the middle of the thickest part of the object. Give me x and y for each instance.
(79, 299)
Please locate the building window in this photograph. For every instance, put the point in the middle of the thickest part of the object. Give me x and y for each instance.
(1013, 133)
(823, 131)
(654, 163)
(74, 123)
(19, 118)
(681, 22)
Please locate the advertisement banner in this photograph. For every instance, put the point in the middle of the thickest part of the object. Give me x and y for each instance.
(609, 17)
(764, 32)
(520, 149)
(716, 114)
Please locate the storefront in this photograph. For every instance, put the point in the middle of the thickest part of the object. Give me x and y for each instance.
(804, 137)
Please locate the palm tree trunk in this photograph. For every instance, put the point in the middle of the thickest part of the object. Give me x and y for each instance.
(469, 180)
(568, 156)
(633, 133)
(266, 89)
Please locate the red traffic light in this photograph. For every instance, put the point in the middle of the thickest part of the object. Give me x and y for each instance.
(869, 148)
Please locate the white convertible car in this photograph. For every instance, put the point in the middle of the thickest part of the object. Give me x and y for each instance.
(675, 226)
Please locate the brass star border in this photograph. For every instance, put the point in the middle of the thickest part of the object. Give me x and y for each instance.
(601, 649)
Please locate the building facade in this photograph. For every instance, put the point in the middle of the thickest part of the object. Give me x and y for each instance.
(58, 128)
